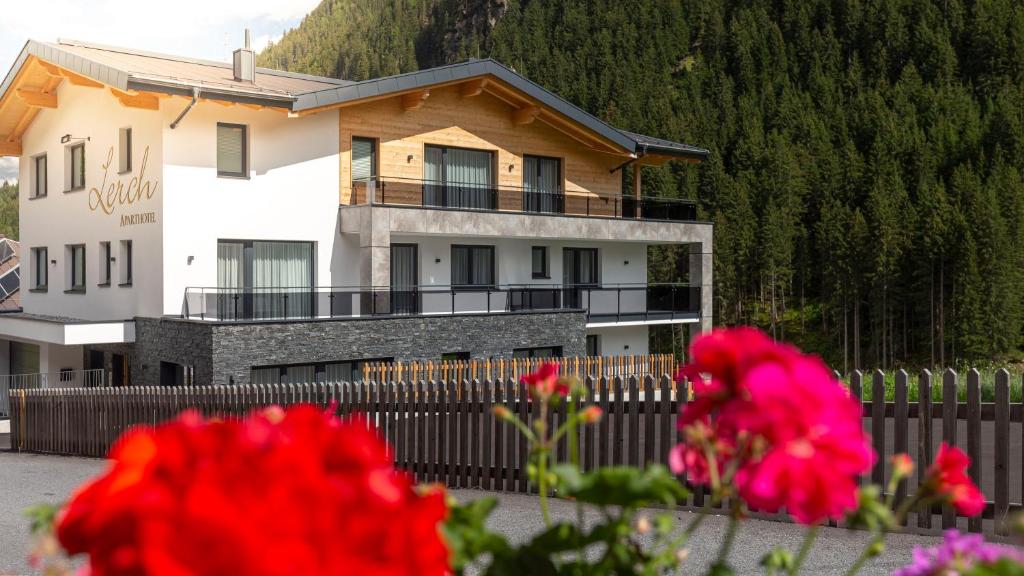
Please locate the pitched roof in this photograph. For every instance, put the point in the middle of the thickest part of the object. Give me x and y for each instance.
(127, 69)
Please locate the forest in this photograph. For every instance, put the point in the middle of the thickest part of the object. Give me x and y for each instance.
(865, 177)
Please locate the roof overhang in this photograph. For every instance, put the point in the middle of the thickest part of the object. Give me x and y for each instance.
(65, 332)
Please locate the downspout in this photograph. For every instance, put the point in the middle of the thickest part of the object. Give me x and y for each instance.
(195, 98)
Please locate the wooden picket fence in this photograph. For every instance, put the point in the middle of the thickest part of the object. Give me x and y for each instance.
(444, 431)
(513, 368)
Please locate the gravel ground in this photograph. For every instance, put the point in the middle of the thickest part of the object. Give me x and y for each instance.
(518, 515)
(27, 479)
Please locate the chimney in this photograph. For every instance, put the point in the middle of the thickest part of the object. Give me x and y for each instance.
(244, 64)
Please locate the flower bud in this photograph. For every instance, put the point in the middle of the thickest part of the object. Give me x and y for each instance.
(902, 465)
(682, 554)
(502, 412)
(643, 525)
(876, 548)
(591, 414)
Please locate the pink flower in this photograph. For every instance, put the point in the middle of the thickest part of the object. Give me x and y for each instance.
(796, 431)
(544, 383)
(949, 478)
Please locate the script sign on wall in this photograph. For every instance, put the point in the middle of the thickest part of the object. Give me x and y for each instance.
(115, 194)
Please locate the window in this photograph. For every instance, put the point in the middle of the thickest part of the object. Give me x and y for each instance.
(126, 263)
(39, 268)
(538, 352)
(76, 268)
(340, 371)
(124, 144)
(542, 184)
(232, 150)
(104, 264)
(459, 178)
(593, 345)
(472, 266)
(261, 280)
(76, 167)
(364, 159)
(38, 176)
(454, 356)
(540, 262)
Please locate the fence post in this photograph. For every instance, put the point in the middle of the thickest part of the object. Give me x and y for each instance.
(902, 426)
(974, 436)
(878, 425)
(949, 402)
(1002, 452)
(924, 438)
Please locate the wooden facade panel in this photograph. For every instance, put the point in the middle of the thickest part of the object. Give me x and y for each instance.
(482, 122)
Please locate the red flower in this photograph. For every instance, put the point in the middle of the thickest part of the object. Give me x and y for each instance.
(796, 432)
(545, 382)
(949, 478)
(281, 492)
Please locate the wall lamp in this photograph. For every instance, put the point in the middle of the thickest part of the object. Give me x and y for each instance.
(625, 263)
(437, 260)
(68, 138)
(408, 159)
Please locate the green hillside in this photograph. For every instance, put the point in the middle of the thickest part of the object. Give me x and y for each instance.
(866, 171)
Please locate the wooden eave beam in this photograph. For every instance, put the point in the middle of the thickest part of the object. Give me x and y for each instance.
(524, 116)
(37, 98)
(414, 100)
(76, 79)
(472, 88)
(9, 147)
(142, 100)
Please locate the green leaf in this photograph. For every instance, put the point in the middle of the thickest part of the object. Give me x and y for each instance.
(720, 569)
(41, 517)
(621, 486)
(466, 533)
(778, 559)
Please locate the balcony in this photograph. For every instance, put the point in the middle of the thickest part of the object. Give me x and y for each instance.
(615, 304)
(406, 192)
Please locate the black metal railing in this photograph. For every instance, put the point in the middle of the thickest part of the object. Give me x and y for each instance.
(603, 304)
(490, 198)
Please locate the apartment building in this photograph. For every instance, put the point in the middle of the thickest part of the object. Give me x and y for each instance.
(193, 221)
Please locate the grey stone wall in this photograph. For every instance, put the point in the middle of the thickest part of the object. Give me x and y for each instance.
(225, 353)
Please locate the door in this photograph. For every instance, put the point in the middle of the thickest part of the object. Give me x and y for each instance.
(579, 272)
(264, 280)
(542, 185)
(459, 178)
(404, 279)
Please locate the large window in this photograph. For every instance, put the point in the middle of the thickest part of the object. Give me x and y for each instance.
(542, 184)
(76, 267)
(538, 352)
(76, 167)
(539, 263)
(232, 150)
(472, 266)
(39, 268)
(459, 178)
(259, 280)
(38, 176)
(330, 372)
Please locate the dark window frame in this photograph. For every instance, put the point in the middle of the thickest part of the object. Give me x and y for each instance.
(531, 352)
(77, 288)
(545, 273)
(374, 156)
(244, 174)
(125, 153)
(494, 267)
(80, 172)
(44, 263)
(106, 249)
(126, 262)
(39, 175)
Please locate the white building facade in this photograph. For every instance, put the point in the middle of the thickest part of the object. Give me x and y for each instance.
(190, 221)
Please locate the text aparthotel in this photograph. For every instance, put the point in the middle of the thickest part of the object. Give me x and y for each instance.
(185, 220)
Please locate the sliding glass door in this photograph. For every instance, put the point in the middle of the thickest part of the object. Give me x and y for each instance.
(459, 178)
(542, 185)
(580, 270)
(264, 280)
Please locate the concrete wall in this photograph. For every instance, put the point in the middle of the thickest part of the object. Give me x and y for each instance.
(621, 340)
(225, 353)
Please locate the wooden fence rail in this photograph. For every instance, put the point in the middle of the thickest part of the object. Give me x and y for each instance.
(444, 431)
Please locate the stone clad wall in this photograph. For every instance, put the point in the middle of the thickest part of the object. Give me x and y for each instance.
(225, 353)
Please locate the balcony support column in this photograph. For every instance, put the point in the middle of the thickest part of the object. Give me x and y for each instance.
(375, 255)
(700, 275)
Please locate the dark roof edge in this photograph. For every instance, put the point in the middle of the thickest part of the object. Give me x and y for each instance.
(453, 72)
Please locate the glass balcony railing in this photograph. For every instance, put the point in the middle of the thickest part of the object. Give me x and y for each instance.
(603, 304)
(478, 197)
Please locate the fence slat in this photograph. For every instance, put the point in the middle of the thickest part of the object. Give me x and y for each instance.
(901, 425)
(924, 438)
(1001, 468)
(949, 432)
(974, 437)
(878, 425)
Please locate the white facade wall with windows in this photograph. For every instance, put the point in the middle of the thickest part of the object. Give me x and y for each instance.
(290, 193)
(99, 211)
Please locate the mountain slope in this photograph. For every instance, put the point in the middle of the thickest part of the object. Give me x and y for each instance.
(867, 155)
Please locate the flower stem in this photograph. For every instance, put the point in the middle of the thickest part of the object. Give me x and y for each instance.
(730, 537)
(865, 554)
(805, 547)
(542, 465)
